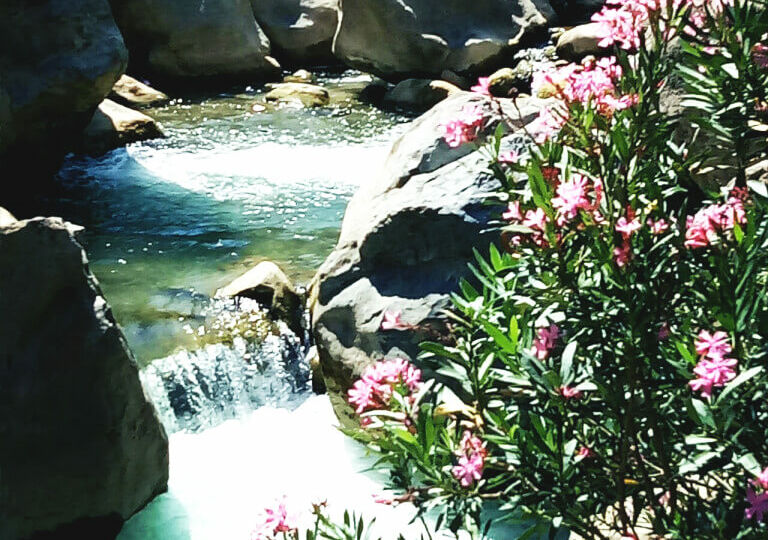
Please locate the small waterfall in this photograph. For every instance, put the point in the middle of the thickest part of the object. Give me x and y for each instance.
(244, 362)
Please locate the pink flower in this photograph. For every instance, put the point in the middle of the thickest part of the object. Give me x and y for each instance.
(548, 124)
(758, 504)
(585, 452)
(276, 520)
(373, 391)
(469, 470)
(464, 128)
(663, 331)
(545, 341)
(708, 224)
(762, 479)
(509, 157)
(657, 227)
(536, 219)
(622, 254)
(392, 321)
(628, 228)
(471, 459)
(760, 56)
(713, 345)
(571, 197)
(570, 393)
(513, 212)
(482, 86)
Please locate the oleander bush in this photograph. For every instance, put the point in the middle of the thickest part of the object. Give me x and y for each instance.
(605, 371)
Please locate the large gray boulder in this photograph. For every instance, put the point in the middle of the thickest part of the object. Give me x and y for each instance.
(405, 242)
(183, 40)
(400, 39)
(82, 448)
(301, 31)
(58, 60)
(114, 125)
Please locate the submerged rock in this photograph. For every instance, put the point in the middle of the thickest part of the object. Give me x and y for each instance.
(307, 95)
(301, 31)
(132, 93)
(419, 94)
(269, 286)
(405, 242)
(400, 39)
(181, 39)
(82, 447)
(114, 125)
(58, 60)
(300, 76)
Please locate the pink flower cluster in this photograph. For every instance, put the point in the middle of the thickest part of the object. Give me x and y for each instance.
(713, 369)
(482, 87)
(626, 226)
(575, 195)
(758, 502)
(569, 392)
(536, 220)
(622, 21)
(392, 321)
(465, 127)
(374, 389)
(589, 83)
(276, 521)
(716, 220)
(760, 56)
(472, 454)
(546, 339)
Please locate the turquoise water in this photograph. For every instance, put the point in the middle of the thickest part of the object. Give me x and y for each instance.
(169, 221)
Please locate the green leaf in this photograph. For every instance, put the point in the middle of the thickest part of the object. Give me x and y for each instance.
(703, 412)
(738, 381)
(758, 187)
(498, 336)
(566, 363)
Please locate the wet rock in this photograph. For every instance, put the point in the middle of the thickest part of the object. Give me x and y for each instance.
(406, 238)
(307, 95)
(580, 41)
(6, 218)
(401, 39)
(455, 79)
(114, 126)
(215, 41)
(269, 286)
(58, 60)
(301, 31)
(83, 448)
(573, 12)
(502, 81)
(300, 76)
(419, 94)
(132, 93)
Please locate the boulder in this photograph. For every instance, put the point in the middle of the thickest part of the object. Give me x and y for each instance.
(269, 286)
(401, 39)
(301, 31)
(574, 12)
(419, 94)
(58, 60)
(580, 41)
(306, 95)
(82, 446)
(113, 126)
(132, 93)
(181, 40)
(6, 218)
(407, 236)
(501, 82)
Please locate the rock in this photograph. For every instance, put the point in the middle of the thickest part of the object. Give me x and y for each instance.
(132, 93)
(300, 76)
(456, 80)
(301, 31)
(58, 60)
(180, 40)
(406, 239)
(502, 81)
(419, 94)
(401, 39)
(308, 95)
(580, 41)
(82, 447)
(114, 126)
(269, 286)
(6, 218)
